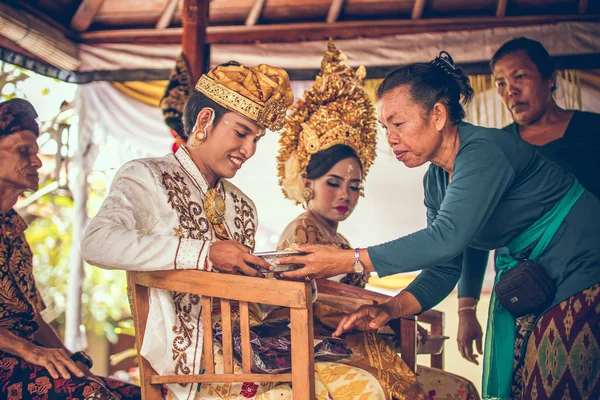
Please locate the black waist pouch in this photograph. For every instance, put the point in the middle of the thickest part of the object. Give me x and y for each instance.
(525, 289)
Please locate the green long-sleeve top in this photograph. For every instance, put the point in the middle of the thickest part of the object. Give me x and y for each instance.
(576, 152)
(500, 186)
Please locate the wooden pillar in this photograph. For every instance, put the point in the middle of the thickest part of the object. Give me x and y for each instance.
(195, 21)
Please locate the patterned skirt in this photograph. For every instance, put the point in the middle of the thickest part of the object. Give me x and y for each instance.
(20, 380)
(562, 359)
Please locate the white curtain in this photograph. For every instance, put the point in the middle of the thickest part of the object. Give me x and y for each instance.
(465, 46)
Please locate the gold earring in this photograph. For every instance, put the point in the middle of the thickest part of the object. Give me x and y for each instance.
(307, 194)
(198, 138)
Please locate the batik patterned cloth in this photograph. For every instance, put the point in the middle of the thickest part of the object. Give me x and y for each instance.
(562, 359)
(20, 380)
(20, 301)
(523, 326)
(442, 385)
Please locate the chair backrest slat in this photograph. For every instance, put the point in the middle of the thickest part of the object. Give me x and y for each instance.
(245, 336)
(303, 353)
(226, 336)
(140, 307)
(437, 328)
(408, 342)
(209, 357)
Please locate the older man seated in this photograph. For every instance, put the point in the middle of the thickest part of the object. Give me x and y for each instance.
(34, 363)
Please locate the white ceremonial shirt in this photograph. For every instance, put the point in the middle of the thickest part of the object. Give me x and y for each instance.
(153, 219)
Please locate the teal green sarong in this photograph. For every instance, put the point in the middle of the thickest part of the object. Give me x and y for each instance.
(498, 354)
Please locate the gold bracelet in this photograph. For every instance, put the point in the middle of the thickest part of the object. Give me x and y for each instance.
(399, 306)
(467, 308)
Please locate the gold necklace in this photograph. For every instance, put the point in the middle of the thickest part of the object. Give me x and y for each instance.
(214, 206)
(214, 203)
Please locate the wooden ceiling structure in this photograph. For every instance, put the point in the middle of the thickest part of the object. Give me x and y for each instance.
(265, 21)
(248, 21)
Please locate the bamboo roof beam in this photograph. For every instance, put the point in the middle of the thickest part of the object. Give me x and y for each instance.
(501, 8)
(84, 16)
(418, 8)
(334, 11)
(167, 15)
(270, 33)
(255, 12)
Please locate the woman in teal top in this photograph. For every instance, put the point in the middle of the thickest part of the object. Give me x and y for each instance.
(484, 189)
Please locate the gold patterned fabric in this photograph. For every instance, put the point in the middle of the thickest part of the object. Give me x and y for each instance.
(335, 110)
(20, 299)
(333, 381)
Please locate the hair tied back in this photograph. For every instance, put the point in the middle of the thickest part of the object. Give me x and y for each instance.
(445, 62)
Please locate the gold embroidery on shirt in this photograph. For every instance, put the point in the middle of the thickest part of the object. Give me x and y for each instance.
(244, 221)
(191, 223)
(191, 226)
(184, 330)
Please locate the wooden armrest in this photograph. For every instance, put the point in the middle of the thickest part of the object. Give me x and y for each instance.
(348, 298)
(326, 286)
(433, 317)
(233, 287)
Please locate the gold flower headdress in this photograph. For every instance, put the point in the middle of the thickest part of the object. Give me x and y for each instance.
(261, 93)
(335, 110)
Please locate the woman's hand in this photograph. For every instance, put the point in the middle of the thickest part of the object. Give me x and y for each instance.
(230, 256)
(320, 262)
(368, 317)
(56, 361)
(469, 330)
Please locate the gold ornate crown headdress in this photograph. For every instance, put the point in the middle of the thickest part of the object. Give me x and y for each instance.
(335, 110)
(261, 93)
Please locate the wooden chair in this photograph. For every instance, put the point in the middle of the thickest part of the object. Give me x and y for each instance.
(296, 296)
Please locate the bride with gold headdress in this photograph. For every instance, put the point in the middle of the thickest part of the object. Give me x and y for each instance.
(326, 149)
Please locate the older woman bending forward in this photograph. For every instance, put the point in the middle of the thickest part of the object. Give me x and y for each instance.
(484, 189)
